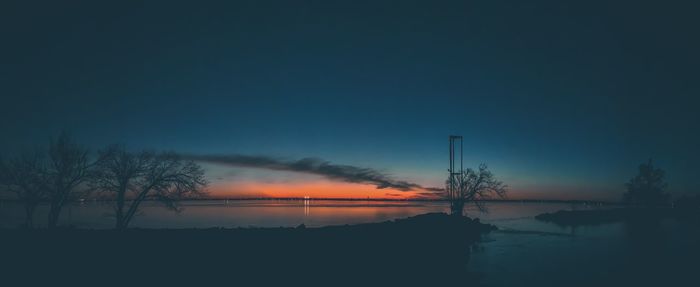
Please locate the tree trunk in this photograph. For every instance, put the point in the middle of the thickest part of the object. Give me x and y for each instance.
(457, 207)
(135, 206)
(29, 208)
(53, 215)
(130, 213)
(55, 212)
(120, 211)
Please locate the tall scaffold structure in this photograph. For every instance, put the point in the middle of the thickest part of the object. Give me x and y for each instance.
(453, 191)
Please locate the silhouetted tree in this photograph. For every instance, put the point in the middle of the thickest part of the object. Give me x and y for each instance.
(473, 186)
(138, 176)
(117, 173)
(648, 188)
(68, 168)
(26, 177)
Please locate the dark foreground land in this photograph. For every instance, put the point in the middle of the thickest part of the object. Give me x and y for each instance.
(430, 248)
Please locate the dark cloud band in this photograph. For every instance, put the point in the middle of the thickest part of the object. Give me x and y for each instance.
(345, 173)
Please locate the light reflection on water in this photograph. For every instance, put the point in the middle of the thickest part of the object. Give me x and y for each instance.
(275, 213)
(524, 250)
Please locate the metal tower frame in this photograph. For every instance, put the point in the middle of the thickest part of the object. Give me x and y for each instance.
(453, 158)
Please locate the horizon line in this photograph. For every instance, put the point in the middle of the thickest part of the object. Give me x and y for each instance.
(352, 199)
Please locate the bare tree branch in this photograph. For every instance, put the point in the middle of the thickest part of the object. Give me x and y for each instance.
(140, 176)
(475, 187)
(68, 168)
(26, 177)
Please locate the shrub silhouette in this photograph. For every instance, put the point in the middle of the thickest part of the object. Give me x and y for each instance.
(647, 188)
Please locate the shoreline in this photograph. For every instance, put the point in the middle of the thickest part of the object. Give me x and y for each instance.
(592, 202)
(423, 246)
(613, 215)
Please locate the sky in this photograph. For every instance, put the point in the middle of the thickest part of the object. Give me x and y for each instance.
(561, 100)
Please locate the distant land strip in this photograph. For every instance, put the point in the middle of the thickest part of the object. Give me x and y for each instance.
(575, 201)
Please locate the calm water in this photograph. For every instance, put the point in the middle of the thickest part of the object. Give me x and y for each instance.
(269, 213)
(523, 250)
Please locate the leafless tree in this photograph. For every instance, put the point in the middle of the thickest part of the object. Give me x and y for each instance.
(473, 186)
(68, 168)
(135, 177)
(648, 187)
(26, 177)
(118, 173)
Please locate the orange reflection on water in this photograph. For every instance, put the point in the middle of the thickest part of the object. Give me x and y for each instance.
(312, 189)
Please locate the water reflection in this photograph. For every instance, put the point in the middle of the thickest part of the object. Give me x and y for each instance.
(275, 213)
(525, 252)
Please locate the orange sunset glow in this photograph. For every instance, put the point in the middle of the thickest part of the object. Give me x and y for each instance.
(313, 189)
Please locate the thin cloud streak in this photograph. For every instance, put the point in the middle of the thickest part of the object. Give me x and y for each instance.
(345, 173)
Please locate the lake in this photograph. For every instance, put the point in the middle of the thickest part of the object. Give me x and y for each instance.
(522, 250)
(276, 213)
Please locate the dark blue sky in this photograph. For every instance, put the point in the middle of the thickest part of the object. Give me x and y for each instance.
(562, 100)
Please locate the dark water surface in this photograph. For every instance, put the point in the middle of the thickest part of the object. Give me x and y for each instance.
(276, 213)
(523, 252)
